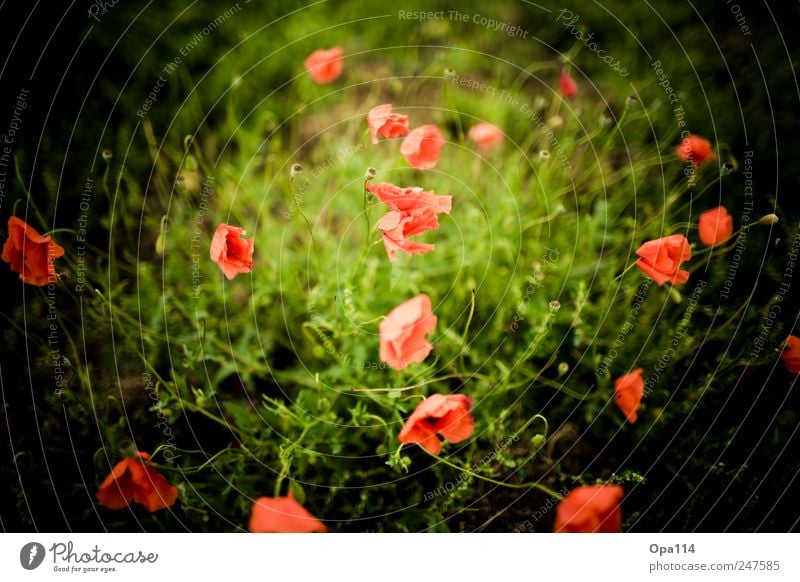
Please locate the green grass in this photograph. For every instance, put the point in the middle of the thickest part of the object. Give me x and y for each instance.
(272, 382)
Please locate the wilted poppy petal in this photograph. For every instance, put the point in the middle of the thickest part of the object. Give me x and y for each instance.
(282, 515)
(661, 259)
(696, 149)
(134, 480)
(791, 355)
(590, 509)
(715, 226)
(325, 66)
(230, 251)
(448, 415)
(485, 135)
(31, 254)
(382, 121)
(628, 392)
(422, 147)
(402, 332)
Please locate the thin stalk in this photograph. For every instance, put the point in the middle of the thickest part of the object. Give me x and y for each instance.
(532, 485)
(431, 381)
(466, 327)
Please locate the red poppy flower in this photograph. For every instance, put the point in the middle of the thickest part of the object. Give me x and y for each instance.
(325, 66)
(485, 135)
(394, 228)
(381, 121)
(568, 86)
(661, 259)
(136, 480)
(791, 354)
(30, 254)
(628, 392)
(715, 225)
(403, 330)
(696, 149)
(439, 414)
(410, 200)
(413, 211)
(590, 509)
(231, 252)
(282, 515)
(422, 147)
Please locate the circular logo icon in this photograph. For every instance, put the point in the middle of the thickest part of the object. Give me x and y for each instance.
(31, 555)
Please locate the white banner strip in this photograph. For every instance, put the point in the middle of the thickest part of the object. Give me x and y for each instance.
(400, 557)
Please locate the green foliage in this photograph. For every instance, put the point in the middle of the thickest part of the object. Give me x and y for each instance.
(272, 382)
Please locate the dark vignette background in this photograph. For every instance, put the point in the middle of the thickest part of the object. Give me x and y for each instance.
(50, 49)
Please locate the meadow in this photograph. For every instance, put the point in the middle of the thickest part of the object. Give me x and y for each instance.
(482, 269)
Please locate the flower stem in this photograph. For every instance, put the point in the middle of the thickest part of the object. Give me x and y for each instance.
(431, 381)
(623, 273)
(532, 485)
(296, 197)
(466, 327)
(367, 243)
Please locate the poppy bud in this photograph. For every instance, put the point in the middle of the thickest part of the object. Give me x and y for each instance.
(371, 173)
(567, 85)
(161, 241)
(190, 163)
(768, 220)
(269, 121)
(630, 100)
(563, 368)
(554, 306)
(295, 170)
(107, 155)
(382, 121)
(449, 74)
(726, 169)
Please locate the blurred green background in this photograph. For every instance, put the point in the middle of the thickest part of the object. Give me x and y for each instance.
(726, 444)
